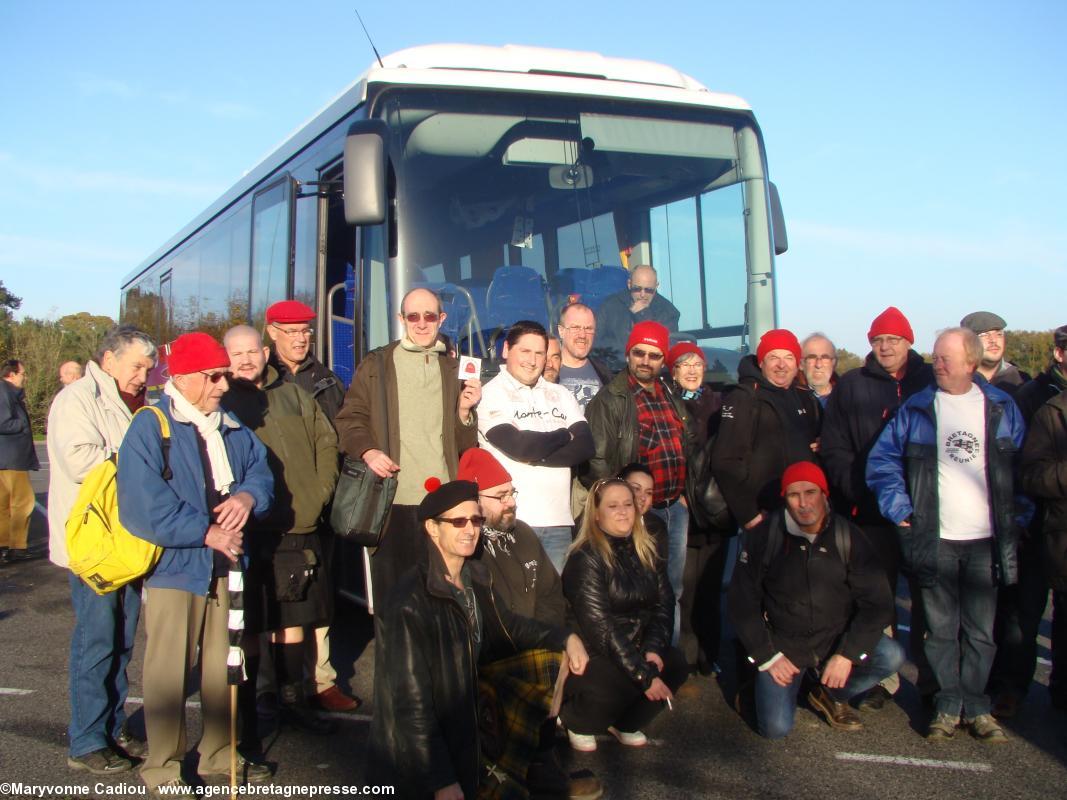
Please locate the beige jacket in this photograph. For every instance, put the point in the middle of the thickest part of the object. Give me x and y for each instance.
(86, 424)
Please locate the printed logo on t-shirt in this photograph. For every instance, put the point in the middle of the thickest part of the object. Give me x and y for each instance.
(962, 446)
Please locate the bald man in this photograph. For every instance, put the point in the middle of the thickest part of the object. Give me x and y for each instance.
(617, 315)
(431, 423)
(69, 371)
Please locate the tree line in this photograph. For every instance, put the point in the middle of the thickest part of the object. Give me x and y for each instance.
(42, 345)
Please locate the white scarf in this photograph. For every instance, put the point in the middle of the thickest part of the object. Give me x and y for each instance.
(208, 427)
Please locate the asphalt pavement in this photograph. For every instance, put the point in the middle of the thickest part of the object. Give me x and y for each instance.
(702, 748)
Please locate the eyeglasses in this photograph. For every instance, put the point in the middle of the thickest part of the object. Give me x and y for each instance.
(501, 498)
(891, 341)
(991, 335)
(427, 316)
(640, 354)
(693, 363)
(576, 329)
(814, 359)
(642, 290)
(461, 522)
(294, 333)
(215, 377)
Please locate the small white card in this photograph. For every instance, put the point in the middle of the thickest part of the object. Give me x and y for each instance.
(469, 368)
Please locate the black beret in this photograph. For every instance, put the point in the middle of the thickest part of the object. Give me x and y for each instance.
(443, 496)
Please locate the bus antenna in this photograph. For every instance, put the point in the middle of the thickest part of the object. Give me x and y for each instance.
(372, 47)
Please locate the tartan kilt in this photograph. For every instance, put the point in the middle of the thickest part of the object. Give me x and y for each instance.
(514, 698)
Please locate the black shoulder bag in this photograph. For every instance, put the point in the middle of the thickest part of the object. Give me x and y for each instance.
(362, 500)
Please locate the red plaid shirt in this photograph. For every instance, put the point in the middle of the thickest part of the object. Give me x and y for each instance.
(659, 441)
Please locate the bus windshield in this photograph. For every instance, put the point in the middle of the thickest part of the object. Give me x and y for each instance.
(513, 205)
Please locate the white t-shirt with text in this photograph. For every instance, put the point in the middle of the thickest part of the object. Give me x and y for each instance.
(544, 493)
(963, 491)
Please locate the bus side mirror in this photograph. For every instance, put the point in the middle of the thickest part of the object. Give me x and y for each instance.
(364, 172)
(781, 238)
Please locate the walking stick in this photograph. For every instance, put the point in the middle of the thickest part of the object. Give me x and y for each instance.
(235, 659)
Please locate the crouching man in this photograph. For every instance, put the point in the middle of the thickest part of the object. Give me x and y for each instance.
(440, 627)
(808, 596)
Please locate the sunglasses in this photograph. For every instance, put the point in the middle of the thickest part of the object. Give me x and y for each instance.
(638, 353)
(215, 377)
(461, 522)
(427, 316)
(642, 290)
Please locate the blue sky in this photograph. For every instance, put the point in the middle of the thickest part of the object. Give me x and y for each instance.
(918, 146)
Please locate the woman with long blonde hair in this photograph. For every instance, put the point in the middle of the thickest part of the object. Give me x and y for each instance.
(622, 600)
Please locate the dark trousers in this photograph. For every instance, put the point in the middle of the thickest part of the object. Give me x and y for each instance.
(886, 544)
(959, 609)
(403, 546)
(1020, 608)
(701, 608)
(604, 695)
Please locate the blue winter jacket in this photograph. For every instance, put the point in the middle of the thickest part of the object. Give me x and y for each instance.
(173, 513)
(902, 472)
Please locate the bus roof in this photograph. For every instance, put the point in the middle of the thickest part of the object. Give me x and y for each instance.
(541, 70)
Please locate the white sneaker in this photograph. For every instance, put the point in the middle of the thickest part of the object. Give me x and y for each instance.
(635, 739)
(582, 742)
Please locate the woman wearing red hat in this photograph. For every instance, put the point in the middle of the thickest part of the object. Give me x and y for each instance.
(710, 522)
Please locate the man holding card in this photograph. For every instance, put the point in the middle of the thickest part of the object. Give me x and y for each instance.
(537, 432)
(430, 420)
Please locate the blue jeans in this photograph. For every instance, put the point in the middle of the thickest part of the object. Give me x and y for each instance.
(776, 705)
(100, 649)
(960, 608)
(556, 540)
(677, 518)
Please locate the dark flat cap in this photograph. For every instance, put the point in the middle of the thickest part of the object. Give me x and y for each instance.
(982, 321)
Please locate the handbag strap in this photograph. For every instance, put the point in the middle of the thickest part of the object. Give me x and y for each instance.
(384, 433)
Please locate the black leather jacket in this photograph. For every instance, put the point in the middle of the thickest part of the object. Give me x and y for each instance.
(424, 735)
(623, 611)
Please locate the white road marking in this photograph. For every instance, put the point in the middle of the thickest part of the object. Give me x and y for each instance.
(16, 692)
(904, 761)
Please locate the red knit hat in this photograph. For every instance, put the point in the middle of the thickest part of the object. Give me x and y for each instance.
(289, 311)
(804, 471)
(891, 322)
(195, 352)
(651, 333)
(479, 465)
(777, 339)
(682, 349)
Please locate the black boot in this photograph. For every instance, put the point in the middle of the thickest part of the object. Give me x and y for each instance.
(295, 712)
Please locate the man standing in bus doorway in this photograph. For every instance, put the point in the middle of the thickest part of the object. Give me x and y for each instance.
(994, 367)
(290, 331)
(640, 302)
(583, 375)
(430, 416)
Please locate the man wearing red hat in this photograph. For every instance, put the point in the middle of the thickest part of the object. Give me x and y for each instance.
(290, 332)
(808, 598)
(768, 422)
(218, 477)
(863, 402)
(291, 356)
(637, 418)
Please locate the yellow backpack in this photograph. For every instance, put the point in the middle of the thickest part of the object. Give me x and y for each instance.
(101, 552)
